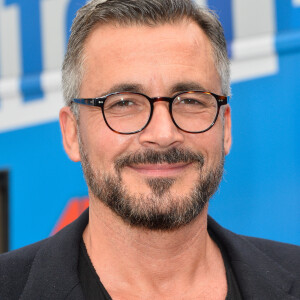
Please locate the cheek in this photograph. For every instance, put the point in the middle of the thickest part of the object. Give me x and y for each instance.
(209, 143)
(105, 146)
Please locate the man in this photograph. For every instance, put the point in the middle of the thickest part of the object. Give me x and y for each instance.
(146, 85)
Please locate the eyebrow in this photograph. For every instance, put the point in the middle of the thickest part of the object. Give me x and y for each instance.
(138, 88)
(187, 86)
(124, 87)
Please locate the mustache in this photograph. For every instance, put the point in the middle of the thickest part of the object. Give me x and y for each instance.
(150, 156)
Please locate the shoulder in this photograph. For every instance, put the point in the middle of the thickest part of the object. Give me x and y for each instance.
(287, 255)
(264, 269)
(15, 268)
(261, 251)
(29, 271)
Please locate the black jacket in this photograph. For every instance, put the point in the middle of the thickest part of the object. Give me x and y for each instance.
(48, 269)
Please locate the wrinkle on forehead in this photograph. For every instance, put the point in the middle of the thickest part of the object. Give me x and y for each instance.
(144, 37)
(145, 54)
(138, 88)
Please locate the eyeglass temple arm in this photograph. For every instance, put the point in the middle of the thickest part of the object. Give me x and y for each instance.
(90, 101)
(222, 100)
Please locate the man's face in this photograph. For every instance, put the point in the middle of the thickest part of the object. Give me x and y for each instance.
(162, 177)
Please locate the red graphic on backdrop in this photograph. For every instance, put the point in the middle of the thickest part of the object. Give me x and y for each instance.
(72, 211)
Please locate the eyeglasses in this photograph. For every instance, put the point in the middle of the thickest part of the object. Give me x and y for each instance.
(129, 112)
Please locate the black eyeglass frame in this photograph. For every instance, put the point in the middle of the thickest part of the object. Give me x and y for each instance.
(99, 102)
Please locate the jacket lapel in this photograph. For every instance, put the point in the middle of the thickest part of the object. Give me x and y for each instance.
(258, 275)
(53, 274)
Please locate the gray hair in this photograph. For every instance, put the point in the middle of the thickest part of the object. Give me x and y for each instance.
(138, 12)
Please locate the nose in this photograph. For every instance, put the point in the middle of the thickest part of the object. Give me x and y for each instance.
(161, 132)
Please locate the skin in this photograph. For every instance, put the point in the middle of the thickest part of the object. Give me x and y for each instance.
(135, 263)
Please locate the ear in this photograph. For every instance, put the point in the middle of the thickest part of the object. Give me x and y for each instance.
(68, 126)
(227, 129)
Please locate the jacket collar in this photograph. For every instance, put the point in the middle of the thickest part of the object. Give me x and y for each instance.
(258, 275)
(54, 273)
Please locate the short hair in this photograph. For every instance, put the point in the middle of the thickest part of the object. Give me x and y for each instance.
(138, 12)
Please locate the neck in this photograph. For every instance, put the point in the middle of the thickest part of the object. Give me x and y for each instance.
(128, 258)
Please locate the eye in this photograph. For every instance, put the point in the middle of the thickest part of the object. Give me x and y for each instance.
(126, 104)
(123, 103)
(190, 101)
(120, 104)
(196, 102)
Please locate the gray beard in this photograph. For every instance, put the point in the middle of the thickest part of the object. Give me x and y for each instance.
(160, 210)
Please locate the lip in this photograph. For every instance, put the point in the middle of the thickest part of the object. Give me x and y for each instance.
(160, 170)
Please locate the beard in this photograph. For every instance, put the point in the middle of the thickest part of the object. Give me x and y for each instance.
(159, 210)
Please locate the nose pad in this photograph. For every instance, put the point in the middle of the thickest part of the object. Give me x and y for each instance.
(161, 130)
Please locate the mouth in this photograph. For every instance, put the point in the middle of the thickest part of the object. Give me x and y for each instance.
(160, 170)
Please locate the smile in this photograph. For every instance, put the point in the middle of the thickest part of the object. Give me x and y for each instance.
(160, 170)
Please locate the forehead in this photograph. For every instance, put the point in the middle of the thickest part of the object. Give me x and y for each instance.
(155, 57)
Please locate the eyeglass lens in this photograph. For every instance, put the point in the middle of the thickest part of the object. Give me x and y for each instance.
(128, 112)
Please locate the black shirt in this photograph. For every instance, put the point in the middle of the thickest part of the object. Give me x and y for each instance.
(93, 289)
(233, 291)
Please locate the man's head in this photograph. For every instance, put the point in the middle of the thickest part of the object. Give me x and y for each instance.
(161, 177)
(133, 13)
